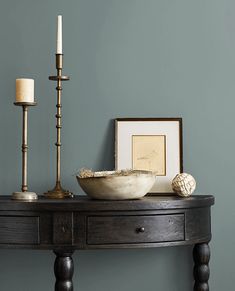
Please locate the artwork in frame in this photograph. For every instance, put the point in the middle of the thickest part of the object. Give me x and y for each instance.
(152, 144)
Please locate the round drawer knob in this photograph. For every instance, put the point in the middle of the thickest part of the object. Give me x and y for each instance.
(140, 229)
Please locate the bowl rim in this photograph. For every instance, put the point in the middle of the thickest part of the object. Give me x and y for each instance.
(115, 174)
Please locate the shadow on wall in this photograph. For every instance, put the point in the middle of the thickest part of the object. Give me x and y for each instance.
(154, 265)
(106, 156)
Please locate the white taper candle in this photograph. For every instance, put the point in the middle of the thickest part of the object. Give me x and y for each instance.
(59, 35)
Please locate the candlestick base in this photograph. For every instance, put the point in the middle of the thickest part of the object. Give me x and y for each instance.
(58, 193)
(25, 196)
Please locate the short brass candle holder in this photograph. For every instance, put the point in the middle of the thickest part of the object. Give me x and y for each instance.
(24, 194)
(58, 192)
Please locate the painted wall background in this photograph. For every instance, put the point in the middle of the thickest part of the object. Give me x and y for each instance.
(126, 58)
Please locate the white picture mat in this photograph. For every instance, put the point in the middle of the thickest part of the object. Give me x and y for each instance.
(171, 129)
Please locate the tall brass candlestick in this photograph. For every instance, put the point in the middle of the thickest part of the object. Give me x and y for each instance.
(24, 195)
(58, 192)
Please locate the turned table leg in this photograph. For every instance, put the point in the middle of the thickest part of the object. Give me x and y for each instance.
(63, 269)
(201, 256)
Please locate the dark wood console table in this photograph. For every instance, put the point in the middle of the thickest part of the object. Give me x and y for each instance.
(80, 223)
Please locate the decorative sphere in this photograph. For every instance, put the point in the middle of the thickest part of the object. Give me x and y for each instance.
(184, 184)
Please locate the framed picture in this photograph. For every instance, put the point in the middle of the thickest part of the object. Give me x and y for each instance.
(152, 144)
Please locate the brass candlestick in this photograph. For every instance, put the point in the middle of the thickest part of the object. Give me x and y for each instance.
(24, 195)
(58, 192)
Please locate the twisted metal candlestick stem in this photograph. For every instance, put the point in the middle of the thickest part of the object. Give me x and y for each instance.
(58, 192)
(58, 125)
(24, 187)
(24, 195)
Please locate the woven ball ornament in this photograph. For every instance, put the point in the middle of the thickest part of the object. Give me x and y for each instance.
(184, 184)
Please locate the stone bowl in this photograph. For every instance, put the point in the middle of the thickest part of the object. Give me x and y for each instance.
(111, 185)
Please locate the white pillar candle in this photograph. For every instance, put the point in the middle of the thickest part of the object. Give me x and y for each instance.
(24, 90)
(59, 35)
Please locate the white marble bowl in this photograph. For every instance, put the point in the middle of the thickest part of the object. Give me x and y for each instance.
(111, 186)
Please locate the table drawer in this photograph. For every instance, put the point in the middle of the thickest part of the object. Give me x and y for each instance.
(19, 230)
(134, 229)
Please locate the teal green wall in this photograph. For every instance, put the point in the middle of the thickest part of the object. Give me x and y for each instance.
(126, 58)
